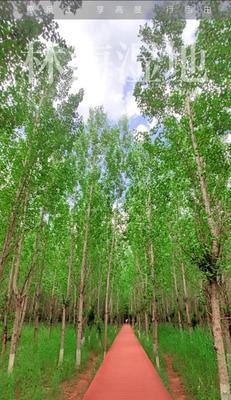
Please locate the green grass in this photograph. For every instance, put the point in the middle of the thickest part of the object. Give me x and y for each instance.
(147, 344)
(36, 375)
(193, 357)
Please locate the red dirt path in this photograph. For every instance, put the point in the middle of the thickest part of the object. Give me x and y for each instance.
(126, 373)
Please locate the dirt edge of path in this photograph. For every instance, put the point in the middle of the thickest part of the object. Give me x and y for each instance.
(176, 386)
(76, 387)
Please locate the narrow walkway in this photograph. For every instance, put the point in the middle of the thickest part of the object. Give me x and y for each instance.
(126, 373)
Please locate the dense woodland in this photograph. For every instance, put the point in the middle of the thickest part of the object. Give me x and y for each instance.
(99, 223)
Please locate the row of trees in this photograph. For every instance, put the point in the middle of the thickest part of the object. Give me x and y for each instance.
(183, 175)
(60, 183)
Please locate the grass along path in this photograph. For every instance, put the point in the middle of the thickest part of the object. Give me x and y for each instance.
(193, 357)
(36, 375)
(74, 388)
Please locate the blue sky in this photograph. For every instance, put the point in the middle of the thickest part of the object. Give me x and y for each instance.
(107, 68)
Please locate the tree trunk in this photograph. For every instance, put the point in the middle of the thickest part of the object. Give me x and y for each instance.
(154, 299)
(24, 307)
(37, 295)
(80, 321)
(139, 324)
(75, 307)
(227, 337)
(32, 307)
(36, 308)
(23, 186)
(36, 312)
(61, 350)
(51, 306)
(155, 331)
(177, 298)
(21, 305)
(146, 323)
(55, 315)
(107, 293)
(186, 299)
(215, 252)
(6, 311)
(15, 334)
(67, 298)
(155, 319)
(19, 302)
(218, 341)
(117, 309)
(98, 295)
(111, 310)
(226, 317)
(82, 282)
(167, 310)
(22, 294)
(203, 185)
(208, 318)
(11, 227)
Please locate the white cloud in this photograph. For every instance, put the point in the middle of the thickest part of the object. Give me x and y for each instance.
(106, 53)
(106, 61)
